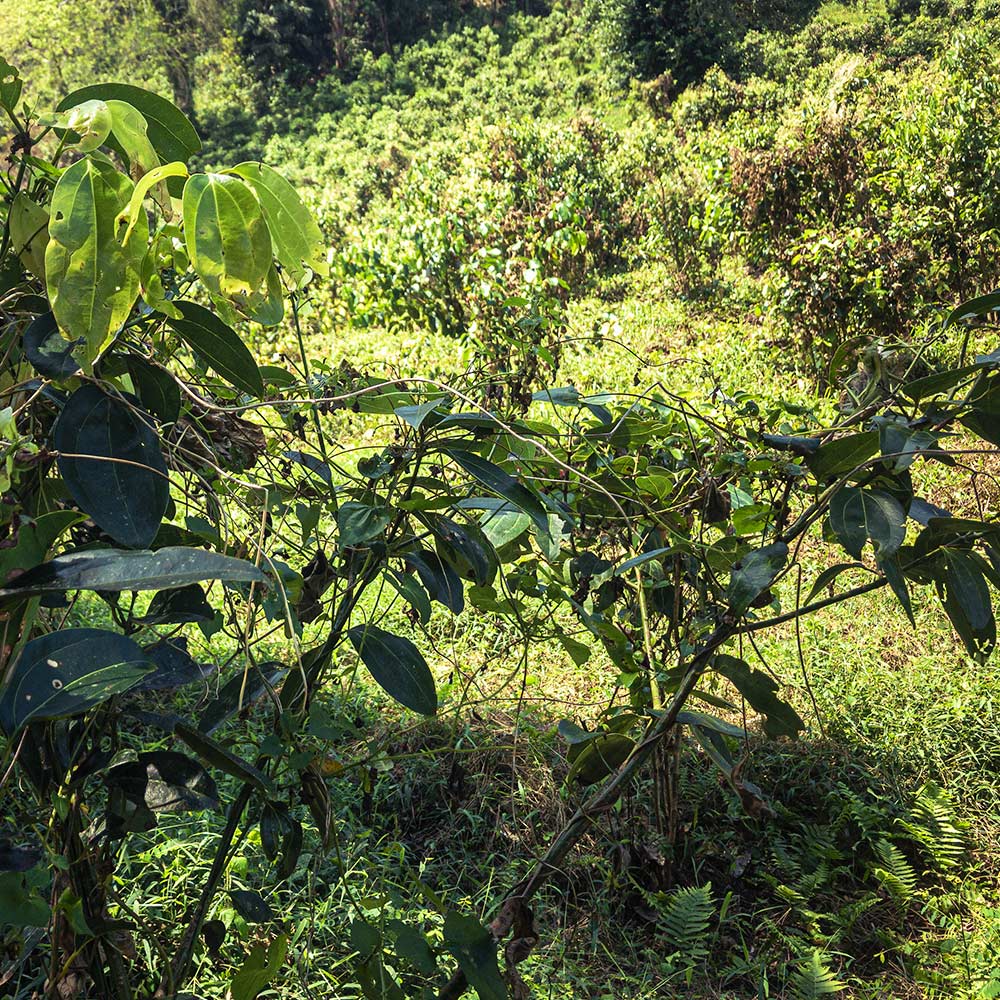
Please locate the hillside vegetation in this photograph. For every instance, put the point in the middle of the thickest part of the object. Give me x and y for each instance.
(670, 242)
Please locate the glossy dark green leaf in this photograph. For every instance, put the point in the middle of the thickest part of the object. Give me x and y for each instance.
(360, 522)
(965, 596)
(169, 131)
(251, 906)
(475, 950)
(465, 548)
(842, 455)
(156, 388)
(164, 781)
(413, 947)
(441, 582)
(410, 589)
(47, 351)
(796, 445)
(174, 666)
(116, 569)
(494, 478)
(397, 666)
(828, 576)
(179, 606)
(893, 572)
(760, 691)
(975, 308)
(111, 463)
(754, 574)
(66, 673)
(220, 346)
(858, 515)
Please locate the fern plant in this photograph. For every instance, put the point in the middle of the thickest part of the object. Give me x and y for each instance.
(685, 916)
(894, 872)
(815, 979)
(933, 825)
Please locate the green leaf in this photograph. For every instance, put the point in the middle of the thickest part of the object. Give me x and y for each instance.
(21, 906)
(111, 463)
(47, 351)
(965, 596)
(10, 85)
(297, 240)
(226, 235)
(857, 515)
(600, 756)
(218, 756)
(983, 305)
(92, 279)
(465, 548)
(826, 578)
(475, 950)
(169, 131)
(494, 478)
(441, 582)
(89, 120)
(504, 525)
(760, 691)
(132, 132)
(130, 214)
(179, 606)
(164, 781)
(29, 233)
(397, 666)
(156, 388)
(842, 455)
(893, 572)
(259, 969)
(754, 574)
(34, 539)
(67, 672)
(116, 570)
(360, 522)
(412, 592)
(220, 346)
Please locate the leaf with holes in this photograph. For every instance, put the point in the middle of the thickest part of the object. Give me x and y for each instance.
(111, 463)
(67, 672)
(91, 278)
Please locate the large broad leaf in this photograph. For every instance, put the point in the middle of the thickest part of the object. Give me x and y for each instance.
(259, 969)
(358, 523)
(842, 455)
(29, 233)
(858, 515)
(440, 581)
(164, 781)
(397, 666)
(465, 548)
(220, 345)
(156, 388)
(226, 235)
(760, 691)
(148, 182)
(754, 574)
(241, 691)
(169, 131)
(115, 570)
(111, 463)
(218, 756)
(88, 124)
(965, 595)
(67, 672)
(91, 278)
(174, 666)
(178, 607)
(494, 478)
(475, 950)
(297, 240)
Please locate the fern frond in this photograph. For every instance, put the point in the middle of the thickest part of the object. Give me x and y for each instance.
(815, 979)
(685, 918)
(933, 825)
(895, 873)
